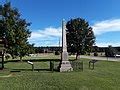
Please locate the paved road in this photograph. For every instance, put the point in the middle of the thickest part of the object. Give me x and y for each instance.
(100, 58)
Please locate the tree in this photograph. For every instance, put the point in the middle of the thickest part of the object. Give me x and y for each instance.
(110, 51)
(25, 49)
(80, 37)
(15, 30)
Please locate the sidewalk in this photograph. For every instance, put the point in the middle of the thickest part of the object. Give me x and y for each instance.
(100, 58)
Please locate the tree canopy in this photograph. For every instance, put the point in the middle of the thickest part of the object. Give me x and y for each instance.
(111, 51)
(15, 30)
(80, 36)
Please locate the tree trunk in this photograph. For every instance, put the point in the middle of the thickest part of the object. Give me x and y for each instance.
(77, 56)
(12, 56)
(20, 58)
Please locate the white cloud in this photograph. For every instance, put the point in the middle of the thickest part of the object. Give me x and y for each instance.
(50, 35)
(47, 37)
(47, 32)
(106, 26)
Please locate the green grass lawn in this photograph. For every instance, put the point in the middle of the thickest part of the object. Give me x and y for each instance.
(105, 76)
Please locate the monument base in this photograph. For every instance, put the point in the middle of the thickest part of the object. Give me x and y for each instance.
(65, 66)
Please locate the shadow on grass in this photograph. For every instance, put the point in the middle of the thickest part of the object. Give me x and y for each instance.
(36, 60)
(19, 70)
(33, 60)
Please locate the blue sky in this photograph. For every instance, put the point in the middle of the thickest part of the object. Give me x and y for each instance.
(46, 16)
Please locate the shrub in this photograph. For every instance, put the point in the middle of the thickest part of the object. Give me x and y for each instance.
(110, 51)
(57, 53)
(95, 54)
(7, 56)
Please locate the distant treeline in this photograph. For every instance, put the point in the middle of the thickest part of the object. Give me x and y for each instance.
(47, 49)
(53, 49)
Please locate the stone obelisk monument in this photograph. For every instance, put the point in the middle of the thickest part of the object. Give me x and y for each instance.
(65, 64)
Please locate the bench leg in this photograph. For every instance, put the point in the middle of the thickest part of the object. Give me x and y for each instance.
(32, 67)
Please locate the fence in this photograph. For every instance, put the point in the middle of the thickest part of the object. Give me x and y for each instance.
(1, 59)
(76, 65)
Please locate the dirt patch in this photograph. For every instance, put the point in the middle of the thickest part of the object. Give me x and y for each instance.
(10, 75)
